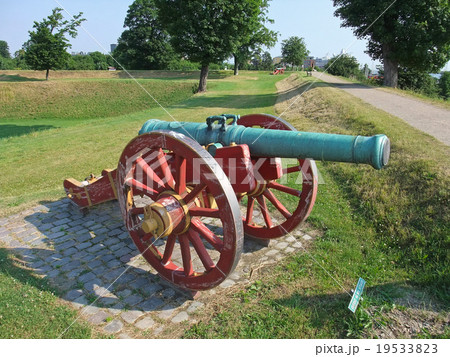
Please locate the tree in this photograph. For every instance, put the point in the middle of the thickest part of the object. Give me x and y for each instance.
(294, 50)
(100, 60)
(145, 44)
(46, 48)
(408, 33)
(81, 63)
(266, 61)
(207, 31)
(258, 35)
(4, 49)
(343, 65)
(19, 59)
(444, 85)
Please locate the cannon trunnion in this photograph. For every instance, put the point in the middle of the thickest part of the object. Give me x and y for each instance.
(189, 192)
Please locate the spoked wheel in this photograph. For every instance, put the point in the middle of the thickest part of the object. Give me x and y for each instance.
(280, 208)
(161, 177)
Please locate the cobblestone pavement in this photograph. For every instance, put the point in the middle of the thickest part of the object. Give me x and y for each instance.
(89, 257)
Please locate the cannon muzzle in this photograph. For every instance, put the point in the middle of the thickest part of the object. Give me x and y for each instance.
(373, 150)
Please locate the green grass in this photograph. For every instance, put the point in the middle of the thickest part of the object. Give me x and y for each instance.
(75, 148)
(30, 308)
(390, 227)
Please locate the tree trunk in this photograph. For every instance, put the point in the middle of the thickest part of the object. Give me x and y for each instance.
(203, 77)
(46, 74)
(236, 66)
(390, 68)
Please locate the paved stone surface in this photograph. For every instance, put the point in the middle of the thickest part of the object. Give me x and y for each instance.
(145, 323)
(180, 317)
(90, 257)
(114, 326)
(131, 316)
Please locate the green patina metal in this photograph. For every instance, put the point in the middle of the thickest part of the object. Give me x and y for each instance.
(373, 150)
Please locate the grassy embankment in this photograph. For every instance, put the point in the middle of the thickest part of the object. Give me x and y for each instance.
(390, 227)
(73, 126)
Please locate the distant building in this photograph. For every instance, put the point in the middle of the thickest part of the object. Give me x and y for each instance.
(322, 62)
(113, 46)
(309, 62)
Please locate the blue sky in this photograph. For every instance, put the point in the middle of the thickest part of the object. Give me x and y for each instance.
(312, 20)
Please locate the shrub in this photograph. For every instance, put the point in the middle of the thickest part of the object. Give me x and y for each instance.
(417, 81)
(345, 65)
(444, 85)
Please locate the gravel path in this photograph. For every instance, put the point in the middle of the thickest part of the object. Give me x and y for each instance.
(426, 117)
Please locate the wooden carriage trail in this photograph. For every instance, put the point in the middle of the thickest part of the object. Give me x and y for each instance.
(92, 256)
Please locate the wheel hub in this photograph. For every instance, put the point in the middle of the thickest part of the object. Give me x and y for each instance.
(169, 214)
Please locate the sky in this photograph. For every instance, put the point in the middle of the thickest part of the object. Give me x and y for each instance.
(311, 19)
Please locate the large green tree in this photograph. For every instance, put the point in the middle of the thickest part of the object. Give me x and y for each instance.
(409, 33)
(294, 50)
(257, 35)
(4, 49)
(207, 31)
(46, 48)
(145, 44)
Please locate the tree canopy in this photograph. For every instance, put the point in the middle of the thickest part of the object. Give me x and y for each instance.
(46, 48)
(343, 65)
(4, 49)
(408, 33)
(258, 35)
(207, 31)
(145, 44)
(294, 50)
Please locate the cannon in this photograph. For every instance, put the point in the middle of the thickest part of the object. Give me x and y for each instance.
(190, 192)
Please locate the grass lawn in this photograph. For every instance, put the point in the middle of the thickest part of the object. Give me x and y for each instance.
(69, 137)
(389, 227)
(29, 307)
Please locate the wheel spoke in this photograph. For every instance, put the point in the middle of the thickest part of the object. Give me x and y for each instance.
(250, 205)
(141, 187)
(180, 172)
(204, 212)
(292, 169)
(265, 212)
(186, 254)
(206, 233)
(148, 171)
(194, 193)
(285, 189)
(170, 243)
(164, 165)
(200, 249)
(278, 205)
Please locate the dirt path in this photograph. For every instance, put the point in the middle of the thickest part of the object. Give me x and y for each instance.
(426, 117)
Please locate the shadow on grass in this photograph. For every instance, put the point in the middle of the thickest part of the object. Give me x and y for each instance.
(18, 78)
(13, 267)
(11, 130)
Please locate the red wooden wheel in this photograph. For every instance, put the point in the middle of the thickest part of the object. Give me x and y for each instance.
(164, 173)
(282, 208)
